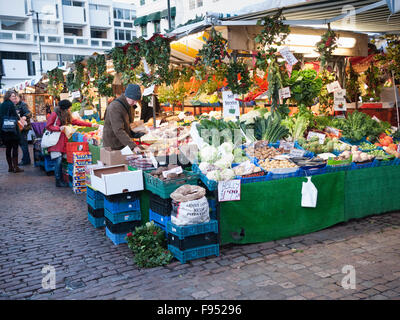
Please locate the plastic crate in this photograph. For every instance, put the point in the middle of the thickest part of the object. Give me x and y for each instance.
(96, 222)
(123, 197)
(165, 188)
(244, 179)
(199, 240)
(159, 205)
(122, 206)
(345, 167)
(159, 219)
(75, 147)
(49, 164)
(164, 228)
(94, 194)
(210, 184)
(124, 227)
(313, 171)
(390, 162)
(194, 229)
(276, 176)
(122, 216)
(97, 213)
(371, 164)
(116, 238)
(191, 254)
(212, 203)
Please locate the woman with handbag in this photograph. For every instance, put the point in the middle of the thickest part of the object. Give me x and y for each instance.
(59, 118)
(9, 131)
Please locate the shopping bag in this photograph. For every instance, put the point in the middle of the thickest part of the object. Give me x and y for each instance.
(9, 124)
(309, 194)
(50, 138)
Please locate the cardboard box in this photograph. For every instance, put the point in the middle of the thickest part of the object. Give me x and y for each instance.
(112, 157)
(116, 179)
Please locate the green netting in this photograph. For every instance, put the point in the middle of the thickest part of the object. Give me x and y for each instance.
(372, 191)
(272, 210)
(95, 150)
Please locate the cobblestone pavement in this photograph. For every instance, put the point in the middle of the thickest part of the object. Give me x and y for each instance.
(43, 225)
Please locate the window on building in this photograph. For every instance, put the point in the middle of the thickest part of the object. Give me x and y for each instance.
(157, 27)
(12, 25)
(133, 15)
(127, 14)
(73, 3)
(128, 36)
(142, 2)
(121, 35)
(143, 29)
(117, 23)
(99, 34)
(192, 4)
(199, 3)
(73, 32)
(128, 25)
(118, 13)
(67, 57)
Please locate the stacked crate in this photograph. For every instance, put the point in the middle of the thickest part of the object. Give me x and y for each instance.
(122, 215)
(80, 161)
(193, 241)
(95, 204)
(160, 211)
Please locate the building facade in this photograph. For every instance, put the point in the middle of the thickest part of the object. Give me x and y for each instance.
(67, 28)
(152, 15)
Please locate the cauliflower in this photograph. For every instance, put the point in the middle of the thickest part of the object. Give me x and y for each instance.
(208, 153)
(213, 175)
(227, 174)
(225, 148)
(204, 167)
(250, 117)
(225, 161)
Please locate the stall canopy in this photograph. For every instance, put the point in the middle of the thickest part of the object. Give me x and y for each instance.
(140, 21)
(164, 13)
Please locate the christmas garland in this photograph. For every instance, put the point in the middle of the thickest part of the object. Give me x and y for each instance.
(214, 51)
(352, 85)
(374, 83)
(118, 58)
(325, 98)
(326, 46)
(56, 82)
(238, 77)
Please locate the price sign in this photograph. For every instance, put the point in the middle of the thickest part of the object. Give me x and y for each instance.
(288, 56)
(148, 90)
(75, 95)
(286, 145)
(230, 104)
(229, 190)
(284, 93)
(333, 131)
(177, 170)
(88, 112)
(339, 100)
(398, 148)
(333, 86)
(296, 153)
(321, 136)
(146, 66)
(154, 161)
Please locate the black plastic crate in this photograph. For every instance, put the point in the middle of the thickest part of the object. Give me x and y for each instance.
(122, 197)
(190, 242)
(123, 227)
(160, 205)
(96, 213)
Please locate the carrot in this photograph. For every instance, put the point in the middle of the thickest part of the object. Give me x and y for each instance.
(392, 146)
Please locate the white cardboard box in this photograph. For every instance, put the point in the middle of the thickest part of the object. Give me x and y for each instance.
(116, 179)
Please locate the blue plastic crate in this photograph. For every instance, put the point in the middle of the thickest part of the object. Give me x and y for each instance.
(191, 230)
(391, 162)
(164, 228)
(212, 203)
(121, 206)
(158, 218)
(314, 171)
(307, 153)
(356, 166)
(210, 184)
(49, 164)
(191, 254)
(116, 238)
(244, 180)
(276, 176)
(122, 216)
(96, 222)
(95, 204)
(94, 194)
(330, 169)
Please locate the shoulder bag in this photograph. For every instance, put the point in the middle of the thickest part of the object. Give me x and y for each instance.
(50, 138)
(10, 123)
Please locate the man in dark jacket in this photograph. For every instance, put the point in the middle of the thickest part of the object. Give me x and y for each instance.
(23, 111)
(119, 116)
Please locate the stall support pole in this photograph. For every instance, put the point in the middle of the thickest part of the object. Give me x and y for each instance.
(153, 101)
(218, 213)
(396, 98)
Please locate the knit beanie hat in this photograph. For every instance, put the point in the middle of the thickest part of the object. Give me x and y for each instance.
(64, 104)
(133, 92)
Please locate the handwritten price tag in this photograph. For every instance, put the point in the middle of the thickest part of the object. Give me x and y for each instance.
(286, 145)
(333, 86)
(229, 190)
(177, 170)
(320, 136)
(288, 56)
(296, 153)
(284, 93)
(339, 100)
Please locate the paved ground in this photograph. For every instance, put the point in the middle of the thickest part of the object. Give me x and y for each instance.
(41, 225)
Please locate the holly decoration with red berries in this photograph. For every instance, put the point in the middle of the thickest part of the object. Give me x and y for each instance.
(238, 77)
(326, 46)
(214, 51)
